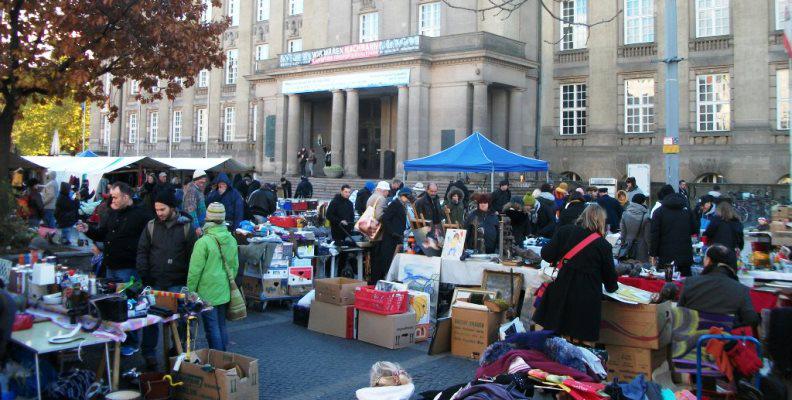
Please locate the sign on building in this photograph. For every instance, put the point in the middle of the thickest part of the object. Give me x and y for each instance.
(392, 77)
(351, 52)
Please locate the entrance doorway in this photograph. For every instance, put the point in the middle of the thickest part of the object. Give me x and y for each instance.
(370, 125)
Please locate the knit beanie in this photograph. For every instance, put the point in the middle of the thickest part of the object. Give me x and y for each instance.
(166, 197)
(215, 212)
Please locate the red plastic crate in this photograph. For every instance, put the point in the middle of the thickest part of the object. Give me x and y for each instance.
(385, 303)
(283, 222)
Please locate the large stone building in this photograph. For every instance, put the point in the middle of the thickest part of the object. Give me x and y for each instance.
(376, 81)
(380, 81)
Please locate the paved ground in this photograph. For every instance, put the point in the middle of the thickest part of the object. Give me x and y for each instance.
(296, 363)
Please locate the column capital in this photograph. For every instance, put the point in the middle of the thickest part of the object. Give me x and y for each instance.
(402, 86)
(517, 89)
(337, 91)
(293, 95)
(351, 90)
(480, 83)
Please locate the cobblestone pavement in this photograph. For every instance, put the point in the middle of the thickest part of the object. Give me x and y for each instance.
(296, 363)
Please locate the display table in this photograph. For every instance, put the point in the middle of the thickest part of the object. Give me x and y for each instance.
(761, 299)
(36, 340)
(771, 275)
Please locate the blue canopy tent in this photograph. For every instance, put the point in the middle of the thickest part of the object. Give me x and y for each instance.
(476, 154)
(86, 153)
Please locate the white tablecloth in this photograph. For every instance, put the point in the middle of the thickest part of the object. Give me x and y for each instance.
(771, 275)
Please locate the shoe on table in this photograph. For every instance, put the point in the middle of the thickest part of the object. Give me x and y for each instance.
(127, 351)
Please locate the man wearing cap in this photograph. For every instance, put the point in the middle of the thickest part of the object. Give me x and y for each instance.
(500, 197)
(394, 223)
(378, 199)
(163, 257)
(207, 275)
(194, 203)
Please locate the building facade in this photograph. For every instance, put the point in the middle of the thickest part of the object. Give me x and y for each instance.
(603, 103)
(374, 81)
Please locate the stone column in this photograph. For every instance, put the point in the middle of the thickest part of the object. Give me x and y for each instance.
(351, 134)
(516, 120)
(481, 122)
(401, 129)
(500, 117)
(293, 134)
(337, 128)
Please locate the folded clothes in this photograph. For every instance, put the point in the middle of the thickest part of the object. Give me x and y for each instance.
(558, 349)
(530, 340)
(534, 359)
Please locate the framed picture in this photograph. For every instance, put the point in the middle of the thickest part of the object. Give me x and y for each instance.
(420, 273)
(454, 244)
(506, 285)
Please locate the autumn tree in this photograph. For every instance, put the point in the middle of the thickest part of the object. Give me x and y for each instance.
(32, 134)
(61, 48)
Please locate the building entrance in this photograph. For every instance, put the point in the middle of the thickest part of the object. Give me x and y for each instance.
(370, 134)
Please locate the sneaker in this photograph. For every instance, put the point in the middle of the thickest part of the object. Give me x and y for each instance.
(127, 351)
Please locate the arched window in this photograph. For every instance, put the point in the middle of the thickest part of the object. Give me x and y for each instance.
(785, 180)
(710, 177)
(570, 176)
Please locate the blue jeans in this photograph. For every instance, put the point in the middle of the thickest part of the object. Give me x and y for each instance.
(49, 218)
(133, 338)
(151, 333)
(215, 327)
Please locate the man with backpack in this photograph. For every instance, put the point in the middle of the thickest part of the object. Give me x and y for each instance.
(163, 259)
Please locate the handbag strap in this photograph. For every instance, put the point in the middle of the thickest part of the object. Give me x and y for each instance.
(640, 227)
(578, 248)
(222, 259)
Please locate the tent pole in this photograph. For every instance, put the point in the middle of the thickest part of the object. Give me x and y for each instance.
(547, 176)
(492, 181)
(404, 176)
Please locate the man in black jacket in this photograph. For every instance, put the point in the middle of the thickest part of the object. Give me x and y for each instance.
(120, 231)
(286, 186)
(394, 223)
(363, 196)
(163, 259)
(543, 215)
(341, 215)
(612, 208)
(428, 206)
(304, 189)
(263, 202)
(671, 228)
(500, 197)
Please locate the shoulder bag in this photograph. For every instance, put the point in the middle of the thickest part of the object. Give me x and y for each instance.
(563, 261)
(236, 307)
(629, 250)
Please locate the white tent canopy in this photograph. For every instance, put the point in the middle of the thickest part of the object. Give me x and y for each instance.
(225, 164)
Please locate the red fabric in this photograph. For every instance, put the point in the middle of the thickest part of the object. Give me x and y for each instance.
(761, 300)
(535, 359)
(743, 356)
(715, 349)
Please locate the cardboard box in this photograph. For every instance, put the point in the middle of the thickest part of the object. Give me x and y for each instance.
(251, 287)
(256, 288)
(340, 291)
(300, 276)
(626, 363)
(390, 331)
(299, 290)
(647, 326)
(332, 319)
(472, 331)
(277, 270)
(235, 377)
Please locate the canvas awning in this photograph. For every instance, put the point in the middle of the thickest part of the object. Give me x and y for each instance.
(217, 164)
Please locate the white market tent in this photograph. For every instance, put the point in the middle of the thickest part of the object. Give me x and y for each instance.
(218, 164)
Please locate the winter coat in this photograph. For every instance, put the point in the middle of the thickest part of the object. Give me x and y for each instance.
(340, 209)
(379, 203)
(120, 231)
(718, 291)
(727, 233)
(455, 211)
(636, 220)
(304, 189)
(50, 192)
(161, 188)
(671, 227)
(519, 221)
(570, 213)
(66, 209)
(490, 223)
(206, 275)
(571, 304)
(361, 199)
(429, 207)
(633, 192)
(543, 217)
(459, 184)
(394, 221)
(194, 204)
(231, 199)
(613, 209)
(164, 249)
(499, 199)
(35, 203)
(287, 189)
(263, 202)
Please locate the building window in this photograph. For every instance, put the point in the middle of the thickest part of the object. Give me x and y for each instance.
(429, 19)
(573, 109)
(570, 176)
(105, 128)
(294, 45)
(203, 78)
(262, 10)
(177, 126)
(638, 21)
(201, 124)
(153, 126)
(639, 105)
(295, 7)
(710, 177)
(712, 18)
(253, 121)
(233, 12)
(134, 86)
(369, 27)
(132, 126)
(231, 66)
(780, 12)
(782, 99)
(229, 123)
(574, 12)
(206, 14)
(713, 108)
(262, 52)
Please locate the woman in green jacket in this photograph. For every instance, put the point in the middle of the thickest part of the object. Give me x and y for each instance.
(208, 276)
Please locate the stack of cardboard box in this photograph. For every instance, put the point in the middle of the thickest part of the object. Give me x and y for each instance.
(393, 331)
(473, 329)
(270, 282)
(637, 337)
(333, 311)
(782, 234)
